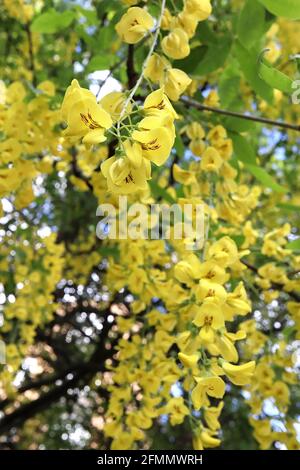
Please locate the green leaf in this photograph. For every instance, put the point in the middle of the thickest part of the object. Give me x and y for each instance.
(179, 146)
(265, 179)
(227, 89)
(52, 21)
(249, 67)
(294, 245)
(236, 124)
(251, 23)
(289, 207)
(243, 149)
(286, 8)
(214, 57)
(275, 78)
(99, 62)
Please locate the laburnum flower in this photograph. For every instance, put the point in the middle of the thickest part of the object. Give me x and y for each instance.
(128, 173)
(134, 24)
(156, 144)
(186, 271)
(207, 386)
(182, 176)
(85, 117)
(209, 318)
(156, 67)
(211, 271)
(175, 82)
(205, 439)
(176, 44)
(156, 102)
(177, 410)
(224, 252)
(187, 22)
(225, 347)
(156, 132)
(189, 360)
(237, 302)
(200, 9)
(113, 104)
(212, 414)
(211, 160)
(239, 375)
(207, 289)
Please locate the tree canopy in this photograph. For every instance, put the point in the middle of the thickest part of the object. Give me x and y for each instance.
(149, 342)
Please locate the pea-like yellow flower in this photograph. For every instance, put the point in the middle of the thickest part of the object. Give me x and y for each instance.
(224, 252)
(156, 144)
(156, 67)
(157, 102)
(127, 174)
(189, 360)
(85, 117)
(239, 375)
(187, 22)
(113, 104)
(175, 82)
(134, 24)
(212, 414)
(182, 176)
(177, 410)
(200, 9)
(176, 44)
(211, 160)
(207, 289)
(207, 386)
(73, 93)
(186, 271)
(209, 315)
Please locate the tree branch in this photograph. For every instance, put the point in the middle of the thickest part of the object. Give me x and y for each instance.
(224, 112)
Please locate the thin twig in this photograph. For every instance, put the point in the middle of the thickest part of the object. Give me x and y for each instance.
(225, 112)
(31, 54)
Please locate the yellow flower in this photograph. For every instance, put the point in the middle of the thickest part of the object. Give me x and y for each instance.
(175, 82)
(177, 410)
(113, 104)
(239, 375)
(189, 360)
(157, 102)
(281, 392)
(201, 9)
(74, 93)
(176, 44)
(212, 414)
(207, 386)
(156, 144)
(211, 160)
(209, 315)
(134, 24)
(156, 67)
(123, 177)
(197, 147)
(211, 271)
(187, 270)
(183, 176)
(208, 440)
(224, 252)
(84, 116)
(186, 21)
(210, 290)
